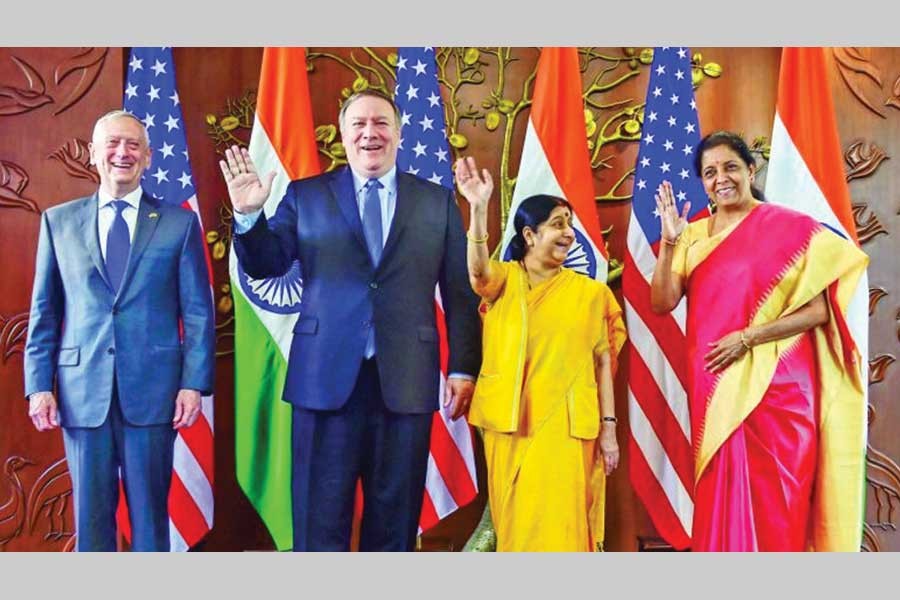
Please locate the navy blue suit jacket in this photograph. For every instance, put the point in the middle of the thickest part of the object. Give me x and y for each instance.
(344, 295)
(81, 332)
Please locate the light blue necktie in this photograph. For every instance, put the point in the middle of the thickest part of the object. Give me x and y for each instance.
(118, 245)
(371, 222)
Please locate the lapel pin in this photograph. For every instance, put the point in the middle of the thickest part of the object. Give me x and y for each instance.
(153, 215)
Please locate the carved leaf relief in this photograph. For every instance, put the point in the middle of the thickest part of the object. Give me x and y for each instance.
(867, 224)
(855, 68)
(877, 367)
(85, 68)
(13, 331)
(875, 295)
(13, 181)
(82, 68)
(870, 540)
(16, 100)
(863, 159)
(49, 500)
(76, 160)
(883, 477)
(894, 100)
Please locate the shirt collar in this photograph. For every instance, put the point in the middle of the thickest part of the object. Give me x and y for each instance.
(133, 198)
(388, 180)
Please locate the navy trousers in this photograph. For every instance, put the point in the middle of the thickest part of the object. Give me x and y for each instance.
(94, 456)
(362, 440)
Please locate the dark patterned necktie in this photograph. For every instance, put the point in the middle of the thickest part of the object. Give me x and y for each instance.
(118, 245)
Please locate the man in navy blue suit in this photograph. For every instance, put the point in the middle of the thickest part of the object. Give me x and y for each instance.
(363, 372)
(117, 274)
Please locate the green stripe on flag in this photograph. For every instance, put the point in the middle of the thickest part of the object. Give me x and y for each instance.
(262, 429)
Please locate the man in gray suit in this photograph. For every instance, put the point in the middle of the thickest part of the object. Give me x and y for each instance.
(117, 275)
(364, 372)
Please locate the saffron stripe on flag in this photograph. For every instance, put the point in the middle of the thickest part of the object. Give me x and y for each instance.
(555, 159)
(282, 140)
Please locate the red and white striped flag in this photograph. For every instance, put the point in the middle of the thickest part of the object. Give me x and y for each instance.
(660, 454)
(450, 481)
(152, 96)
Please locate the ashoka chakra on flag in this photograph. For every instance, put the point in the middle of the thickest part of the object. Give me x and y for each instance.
(276, 294)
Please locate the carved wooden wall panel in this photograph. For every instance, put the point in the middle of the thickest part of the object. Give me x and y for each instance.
(49, 100)
(864, 84)
(48, 106)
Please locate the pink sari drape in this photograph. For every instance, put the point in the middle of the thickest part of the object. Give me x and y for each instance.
(755, 493)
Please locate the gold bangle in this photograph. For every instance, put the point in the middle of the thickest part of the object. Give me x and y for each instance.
(672, 243)
(478, 240)
(744, 341)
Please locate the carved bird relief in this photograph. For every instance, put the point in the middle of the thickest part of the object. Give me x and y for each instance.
(12, 512)
(50, 496)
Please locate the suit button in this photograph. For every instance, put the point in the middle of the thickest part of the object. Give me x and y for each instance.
(110, 350)
(115, 311)
(374, 285)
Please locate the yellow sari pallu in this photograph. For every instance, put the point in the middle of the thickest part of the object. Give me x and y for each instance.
(537, 402)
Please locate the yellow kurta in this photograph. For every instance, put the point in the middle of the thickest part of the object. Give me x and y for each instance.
(546, 486)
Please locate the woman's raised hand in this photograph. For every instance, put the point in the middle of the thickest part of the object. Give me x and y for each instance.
(474, 186)
(672, 223)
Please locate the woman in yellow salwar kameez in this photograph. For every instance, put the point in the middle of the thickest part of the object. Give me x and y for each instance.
(544, 396)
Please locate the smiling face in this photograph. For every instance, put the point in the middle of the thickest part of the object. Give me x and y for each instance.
(371, 135)
(121, 154)
(726, 177)
(551, 242)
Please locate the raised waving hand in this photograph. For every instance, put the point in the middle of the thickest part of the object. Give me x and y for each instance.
(248, 192)
(672, 223)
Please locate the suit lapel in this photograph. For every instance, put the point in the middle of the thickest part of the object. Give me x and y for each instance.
(341, 185)
(147, 220)
(90, 237)
(402, 213)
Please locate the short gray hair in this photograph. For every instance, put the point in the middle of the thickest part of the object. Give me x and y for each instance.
(371, 93)
(116, 114)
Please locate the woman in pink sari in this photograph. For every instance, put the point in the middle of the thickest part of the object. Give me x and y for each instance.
(775, 395)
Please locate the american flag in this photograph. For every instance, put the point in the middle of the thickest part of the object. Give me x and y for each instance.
(661, 457)
(451, 481)
(151, 95)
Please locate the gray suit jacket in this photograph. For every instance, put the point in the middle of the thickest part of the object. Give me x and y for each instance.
(344, 295)
(81, 333)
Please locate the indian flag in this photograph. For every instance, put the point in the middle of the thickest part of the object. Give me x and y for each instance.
(806, 173)
(282, 140)
(555, 159)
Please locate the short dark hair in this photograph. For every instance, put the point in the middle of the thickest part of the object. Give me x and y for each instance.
(736, 143)
(372, 93)
(532, 212)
